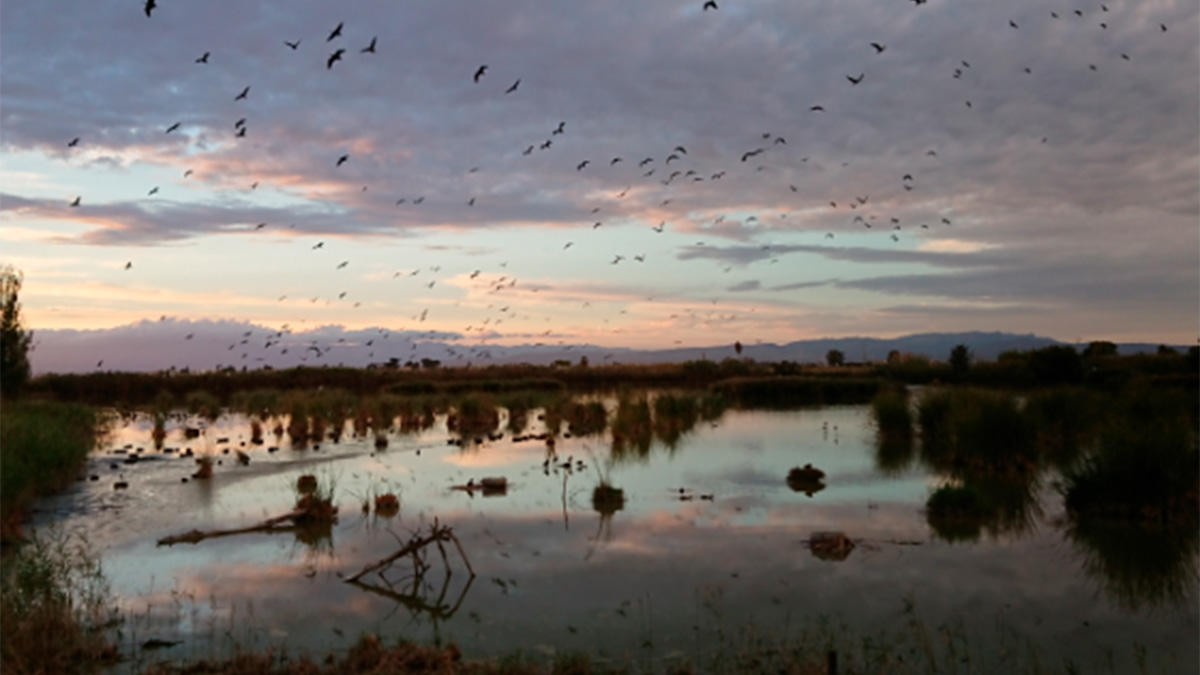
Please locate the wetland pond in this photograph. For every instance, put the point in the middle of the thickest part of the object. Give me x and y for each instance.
(709, 542)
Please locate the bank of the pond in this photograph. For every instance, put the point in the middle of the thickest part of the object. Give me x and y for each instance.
(42, 447)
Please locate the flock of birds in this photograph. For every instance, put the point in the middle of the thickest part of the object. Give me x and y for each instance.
(670, 173)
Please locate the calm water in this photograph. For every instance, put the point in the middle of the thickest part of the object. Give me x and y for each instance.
(668, 575)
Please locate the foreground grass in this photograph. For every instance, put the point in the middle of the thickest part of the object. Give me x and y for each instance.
(54, 603)
(42, 446)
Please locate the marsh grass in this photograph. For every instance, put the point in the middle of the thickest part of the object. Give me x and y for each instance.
(976, 431)
(674, 416)
(791, 391)
(587, 419)
(892, 414)
(42, 448)
(474, 415)
(1144, 472)
(54, 605)
(203, 404)
(632, 427)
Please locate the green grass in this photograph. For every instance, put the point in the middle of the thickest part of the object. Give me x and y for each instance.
(42, 448)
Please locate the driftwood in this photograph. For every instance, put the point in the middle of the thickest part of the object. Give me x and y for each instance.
(415, 549)
(268, 525)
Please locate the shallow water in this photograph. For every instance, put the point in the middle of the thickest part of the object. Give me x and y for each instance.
(670, 574)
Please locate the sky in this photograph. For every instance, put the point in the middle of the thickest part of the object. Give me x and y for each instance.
(622, 174)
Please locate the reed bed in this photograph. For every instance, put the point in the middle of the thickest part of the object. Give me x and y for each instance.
(42, 448)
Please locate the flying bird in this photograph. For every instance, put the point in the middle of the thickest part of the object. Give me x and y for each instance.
(709, 4)
(334, 58)
(149, 7)
(294, 45)
(342, 160)
(479, 73)
(173, 127)
(76, 202)
(240, 123)
(336, 32)
(513, 87)
(369, 49)
(129, 265)
(153, 191)
(854, 81)
(204, 58)
(558, 129)
(817, 108)
(579, 167)
(878, 47)
(244, 94)
(74, 142)
(1012, 23)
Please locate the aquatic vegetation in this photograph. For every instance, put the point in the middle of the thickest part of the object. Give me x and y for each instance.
(42, 447)
(632, 427)
(973, 430)
(792, 391)
(1142, 472)
(892, 415)
(474, 415)
(586, 419)
(674, 416)
(203, 403)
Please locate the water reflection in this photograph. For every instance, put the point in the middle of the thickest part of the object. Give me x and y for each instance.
(746, 544)
(1139, 566)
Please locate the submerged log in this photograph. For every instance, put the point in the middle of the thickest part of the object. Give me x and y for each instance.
(302, 514)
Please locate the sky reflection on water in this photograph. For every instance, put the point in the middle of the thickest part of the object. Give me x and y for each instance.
(669, 573)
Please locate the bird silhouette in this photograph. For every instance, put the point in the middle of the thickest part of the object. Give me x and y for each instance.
(336, 32)
(878, 47)
(149, 7)
(342, 160)
(76, 202)
(153, 191)
(709, 4)
(334, 58)
(479, 73)
(173, 127)
(294, 45)
(129, 265)
(73, 142)
(240, 123)
(854, 81)
(513, 87)
(817, 108)
(204, 58)
(369, 49)
(243, 95)
(558, 129)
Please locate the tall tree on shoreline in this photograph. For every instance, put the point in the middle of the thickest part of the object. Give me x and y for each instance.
(14, 339)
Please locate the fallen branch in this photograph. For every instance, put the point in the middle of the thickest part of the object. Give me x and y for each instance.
(437, 535)
(195, 536)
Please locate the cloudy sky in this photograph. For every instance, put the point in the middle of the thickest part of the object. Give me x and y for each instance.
(637, 174)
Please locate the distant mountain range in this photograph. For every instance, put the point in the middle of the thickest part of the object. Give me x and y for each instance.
(202, 345)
